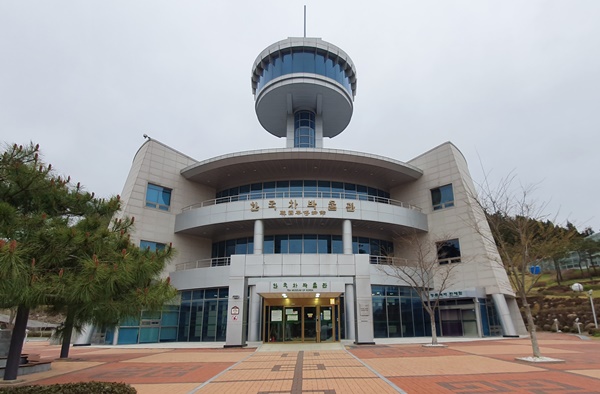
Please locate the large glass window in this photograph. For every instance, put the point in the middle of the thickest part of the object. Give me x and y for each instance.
(301, 60)
(448, 251)
(302, 243)
(152, 246)
(302, 188)
(442, 197)
(397, 312)
(158, 197)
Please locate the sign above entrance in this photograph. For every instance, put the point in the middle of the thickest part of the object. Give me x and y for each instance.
(300, 286)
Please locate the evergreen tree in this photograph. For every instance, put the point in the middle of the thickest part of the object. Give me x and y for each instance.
(59, 248)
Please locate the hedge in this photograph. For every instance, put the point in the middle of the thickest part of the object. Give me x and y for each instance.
(72, 388)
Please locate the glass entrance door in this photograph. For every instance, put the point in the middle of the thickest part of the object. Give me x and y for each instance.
(293, 324)
(310, 323)
(326, 324)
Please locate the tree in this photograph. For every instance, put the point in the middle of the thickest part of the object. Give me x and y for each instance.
(56, 249)
(523, 236)
(34, 205)
(104, 276)
(426, 270)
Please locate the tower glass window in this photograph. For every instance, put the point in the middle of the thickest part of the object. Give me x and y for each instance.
(304, 129)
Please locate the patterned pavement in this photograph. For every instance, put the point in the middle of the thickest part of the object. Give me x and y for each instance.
(487, 366)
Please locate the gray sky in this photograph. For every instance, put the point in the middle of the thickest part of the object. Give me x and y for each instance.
(515, 85)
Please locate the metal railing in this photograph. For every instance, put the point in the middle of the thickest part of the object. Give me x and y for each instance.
(206, 263)
(224, 261)
(386, 260)
(298, 194)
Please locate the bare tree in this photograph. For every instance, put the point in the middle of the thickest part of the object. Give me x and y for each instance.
(523, 236)
(428, 269)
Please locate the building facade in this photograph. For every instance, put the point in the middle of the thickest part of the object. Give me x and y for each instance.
(294, 244)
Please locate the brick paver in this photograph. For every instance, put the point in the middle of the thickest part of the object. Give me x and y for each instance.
(461, 368)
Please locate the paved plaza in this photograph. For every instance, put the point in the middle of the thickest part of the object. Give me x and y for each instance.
(483, 366)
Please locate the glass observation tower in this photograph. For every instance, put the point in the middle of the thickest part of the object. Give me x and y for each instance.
(304, 89)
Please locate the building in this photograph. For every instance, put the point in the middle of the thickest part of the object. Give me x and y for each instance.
(288, 244)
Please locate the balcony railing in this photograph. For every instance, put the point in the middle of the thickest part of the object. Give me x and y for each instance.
(299, 194)
(206, 263)
(223, 261)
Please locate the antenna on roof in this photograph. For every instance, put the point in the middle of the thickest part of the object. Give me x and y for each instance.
(305, 21)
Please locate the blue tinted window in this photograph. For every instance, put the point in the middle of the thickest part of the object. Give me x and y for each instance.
(153, 246)
(310, 244)
(324, 244)
(337, 245)
(448, 251)
(269, 245)
(158, 197)
(442, 197)
(295, 244)
(303, 61)
(307, 188)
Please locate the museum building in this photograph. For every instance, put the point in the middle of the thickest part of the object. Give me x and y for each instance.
(295, 244)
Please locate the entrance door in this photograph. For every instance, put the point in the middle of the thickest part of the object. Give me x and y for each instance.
(310, 323)
(326, 324)
(293, 324)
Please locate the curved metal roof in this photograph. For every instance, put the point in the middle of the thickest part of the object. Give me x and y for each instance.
(301, 163)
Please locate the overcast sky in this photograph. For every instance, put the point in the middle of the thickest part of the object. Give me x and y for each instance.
(515, 85)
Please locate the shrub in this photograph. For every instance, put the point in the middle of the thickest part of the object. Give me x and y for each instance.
(72, 388)
(595, 332)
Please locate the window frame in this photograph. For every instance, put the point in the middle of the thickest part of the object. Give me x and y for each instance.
(161, 191)
(443, 255)
(443, 204)
(153, 245)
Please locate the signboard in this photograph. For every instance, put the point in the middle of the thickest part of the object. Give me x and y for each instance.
(276, 315)
(300, 286)
(295, 207)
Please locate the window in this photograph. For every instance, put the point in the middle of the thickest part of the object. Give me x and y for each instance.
(158, 197)
(448, 251)
(153, 246)
(442, 197)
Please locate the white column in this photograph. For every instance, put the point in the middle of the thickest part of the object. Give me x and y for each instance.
(478, 317)
(347, 236)
(350, 313)
(259, 237)
(508, 328)
(254, 316)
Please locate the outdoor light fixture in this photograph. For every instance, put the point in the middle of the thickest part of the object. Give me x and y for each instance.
(318, 295)
(284, 295)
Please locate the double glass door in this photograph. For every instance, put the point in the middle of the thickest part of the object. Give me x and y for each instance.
(301, 323)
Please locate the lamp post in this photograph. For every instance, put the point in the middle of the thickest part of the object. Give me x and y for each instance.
(591, 294)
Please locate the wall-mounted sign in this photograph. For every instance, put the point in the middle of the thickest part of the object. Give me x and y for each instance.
(276, 315)
(297, 287)
(235, 311)
(297, 209)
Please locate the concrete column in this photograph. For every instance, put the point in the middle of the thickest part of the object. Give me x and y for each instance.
(254, 316)
(259, 237)
(478, 317)
(350, 310)
(508, 328)
(85, 336)
(289, 141)
(116, 336)
(347, 236)
(318, 131)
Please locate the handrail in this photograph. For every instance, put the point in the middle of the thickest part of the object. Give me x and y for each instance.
(224, 261)
(300, 194)
(205, 263)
